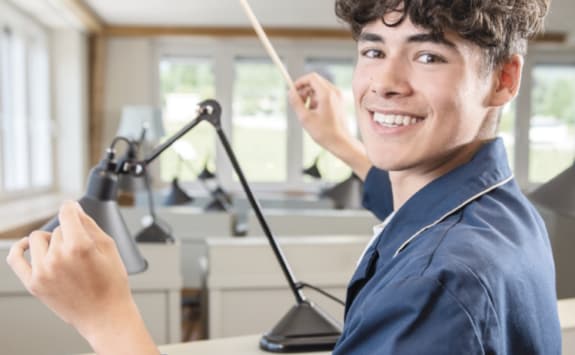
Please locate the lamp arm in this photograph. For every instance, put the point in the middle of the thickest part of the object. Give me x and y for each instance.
(298, 294)
(210, 110)
(202, 113)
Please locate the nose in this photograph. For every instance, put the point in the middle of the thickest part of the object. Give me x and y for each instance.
(391, 78)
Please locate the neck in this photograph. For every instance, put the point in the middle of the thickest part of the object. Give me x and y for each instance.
(405, 183)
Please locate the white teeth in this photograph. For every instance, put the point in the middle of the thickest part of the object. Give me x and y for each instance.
(394, 120)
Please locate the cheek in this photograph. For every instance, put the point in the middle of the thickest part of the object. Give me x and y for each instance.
(360, 83)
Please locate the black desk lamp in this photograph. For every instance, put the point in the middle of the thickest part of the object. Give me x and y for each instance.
(345, 194)
(154, 231)
(176, 196)
(221, 199)
(558, 194)
(313, 170)
(304, 328)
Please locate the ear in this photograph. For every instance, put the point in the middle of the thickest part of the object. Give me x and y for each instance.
(507, 80)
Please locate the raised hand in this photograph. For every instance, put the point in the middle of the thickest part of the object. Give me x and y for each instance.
(77, 272)
(324, 120)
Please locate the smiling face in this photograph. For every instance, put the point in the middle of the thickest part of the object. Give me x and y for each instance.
(423, 102)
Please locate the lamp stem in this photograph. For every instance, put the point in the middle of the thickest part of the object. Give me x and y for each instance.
(257, 209)
(158, 150)
(151, 207)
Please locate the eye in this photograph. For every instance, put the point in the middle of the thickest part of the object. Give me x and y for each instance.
(430, 58)
(372, 53)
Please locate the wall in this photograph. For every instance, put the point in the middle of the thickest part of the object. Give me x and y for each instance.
(129, 79)
(70, 108)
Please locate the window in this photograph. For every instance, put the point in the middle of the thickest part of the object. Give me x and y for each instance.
(26, 164)
(339, 72)
(264, 133)
(552, 123)
(185, 82)
(507, 130)
(259, 120)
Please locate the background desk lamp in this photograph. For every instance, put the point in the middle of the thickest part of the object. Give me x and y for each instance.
(176, 194)
(221, 199)
(156, 231)
(346, 194)
(558, 194)
(143, 125)
(313, 170)
(555, 200)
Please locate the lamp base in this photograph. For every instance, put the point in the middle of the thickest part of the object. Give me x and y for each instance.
(154, 233)
(304, 328)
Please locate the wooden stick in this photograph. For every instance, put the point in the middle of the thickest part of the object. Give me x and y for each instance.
(266, 43)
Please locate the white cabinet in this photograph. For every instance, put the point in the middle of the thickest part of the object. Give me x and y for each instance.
(309, 222)
(248, 293)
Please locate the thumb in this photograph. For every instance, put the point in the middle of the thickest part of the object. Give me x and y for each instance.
(297, 103)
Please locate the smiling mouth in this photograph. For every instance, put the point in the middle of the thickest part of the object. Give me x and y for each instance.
(391, 120)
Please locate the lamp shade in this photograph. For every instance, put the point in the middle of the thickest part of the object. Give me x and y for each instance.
(221, 200)
(206, 174)
(346, 194)
(313, 170)
(134, 118)
(558, 194)
(176, 195)
(100, 204)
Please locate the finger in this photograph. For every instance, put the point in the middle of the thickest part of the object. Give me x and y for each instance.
(300, 104)
(18, 262)
(91, 227)
(71, 223)
(55, 240)
(39, 241)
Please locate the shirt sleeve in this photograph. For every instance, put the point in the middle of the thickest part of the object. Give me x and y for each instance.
(377, 196)
(414, 316)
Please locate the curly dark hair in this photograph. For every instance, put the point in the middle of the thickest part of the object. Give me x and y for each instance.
(500, 27)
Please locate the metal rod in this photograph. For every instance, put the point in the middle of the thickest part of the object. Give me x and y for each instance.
(160, 149)
(257, 209)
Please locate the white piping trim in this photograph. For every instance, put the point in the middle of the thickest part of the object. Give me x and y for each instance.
(451, 212)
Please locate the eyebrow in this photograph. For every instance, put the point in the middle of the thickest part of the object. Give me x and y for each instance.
(417, 38)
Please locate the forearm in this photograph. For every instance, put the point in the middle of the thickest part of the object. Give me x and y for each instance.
(352, 152)
(124, 334)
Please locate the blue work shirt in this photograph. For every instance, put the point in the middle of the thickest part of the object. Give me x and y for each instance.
(463, 267)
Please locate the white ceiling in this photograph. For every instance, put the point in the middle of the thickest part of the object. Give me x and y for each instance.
(221, 13)
(278, 13)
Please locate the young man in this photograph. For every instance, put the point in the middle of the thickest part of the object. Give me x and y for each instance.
(462, 264)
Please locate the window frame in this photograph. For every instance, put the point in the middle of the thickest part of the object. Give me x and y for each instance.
(539, 54)
(32, 33)
(223, 52)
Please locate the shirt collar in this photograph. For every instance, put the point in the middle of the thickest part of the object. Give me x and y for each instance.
(487, 170)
